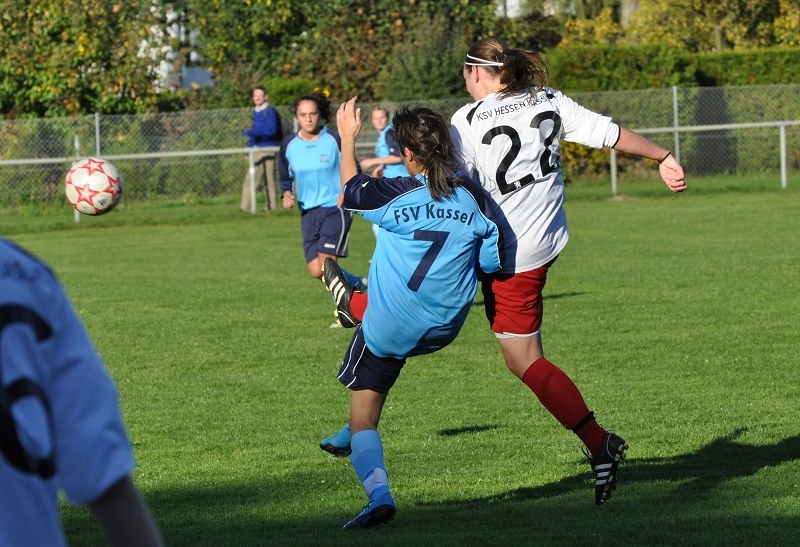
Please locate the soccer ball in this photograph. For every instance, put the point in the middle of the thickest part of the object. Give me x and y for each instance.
(93, 186)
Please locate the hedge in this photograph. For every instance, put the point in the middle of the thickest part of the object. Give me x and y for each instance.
(603, 68)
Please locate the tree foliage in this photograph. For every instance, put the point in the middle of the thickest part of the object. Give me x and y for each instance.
(599, 30)
(533, 30)
(582, 22)
(63, 57)
(245, 32)
(413, 70)
(80, 56)
(343, 45)
(713, 25)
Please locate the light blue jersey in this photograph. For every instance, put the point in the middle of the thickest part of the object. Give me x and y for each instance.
(311, 169)
(387, 146)
(61, 427)
(422, 276)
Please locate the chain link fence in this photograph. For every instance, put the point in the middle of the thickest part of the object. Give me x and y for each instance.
(35, 154)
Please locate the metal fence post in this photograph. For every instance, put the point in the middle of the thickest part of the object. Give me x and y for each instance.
(77, 143)
(613, 172)
(782, 127)
(252, 171)
(676, 123)
(97, 133)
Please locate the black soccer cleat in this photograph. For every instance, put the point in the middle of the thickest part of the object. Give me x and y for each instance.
(604, 466)
(341, 292)
(379, 511)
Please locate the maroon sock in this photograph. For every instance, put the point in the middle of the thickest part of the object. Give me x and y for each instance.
(560, 396)
(358, 305)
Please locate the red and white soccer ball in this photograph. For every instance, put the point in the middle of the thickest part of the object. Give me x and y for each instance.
(93, 186)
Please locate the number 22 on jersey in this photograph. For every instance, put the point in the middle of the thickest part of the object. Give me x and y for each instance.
(545, 167)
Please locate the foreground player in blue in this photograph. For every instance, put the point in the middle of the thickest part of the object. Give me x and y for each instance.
(60, 425)
(435, 227)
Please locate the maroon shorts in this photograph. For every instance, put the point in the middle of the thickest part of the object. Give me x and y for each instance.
(514, 301)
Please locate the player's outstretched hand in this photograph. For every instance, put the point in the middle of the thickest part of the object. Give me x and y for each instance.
(348, 119)
(672, 174)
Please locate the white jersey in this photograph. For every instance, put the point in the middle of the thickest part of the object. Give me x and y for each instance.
(60, 426)
(510, 145)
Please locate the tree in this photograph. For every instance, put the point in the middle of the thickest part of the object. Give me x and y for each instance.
(600, 30)
(64, 57)
(787, 24)
(583, 22)
(245, 32)
(533, 30)
(412, 72)
(350, 42)
(341, 44)
(713, 25)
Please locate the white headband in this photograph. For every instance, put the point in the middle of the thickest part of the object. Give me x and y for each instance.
(481, 62)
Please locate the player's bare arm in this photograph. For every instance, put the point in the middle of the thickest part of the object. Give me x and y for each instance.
(668, 167)
(388, 160)
(348, 124)
(124, 516)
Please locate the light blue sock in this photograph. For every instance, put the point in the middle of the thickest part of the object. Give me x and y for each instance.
(353, 280)
(367, 459)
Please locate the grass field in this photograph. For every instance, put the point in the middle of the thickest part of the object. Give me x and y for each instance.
(677, 316)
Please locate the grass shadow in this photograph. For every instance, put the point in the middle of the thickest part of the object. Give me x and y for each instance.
(468, 429)
(693, 474)
(664, 503)
(557, 296)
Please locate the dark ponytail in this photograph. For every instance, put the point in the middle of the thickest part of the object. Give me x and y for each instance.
(520, 71)
(322, 102)
(426, 134)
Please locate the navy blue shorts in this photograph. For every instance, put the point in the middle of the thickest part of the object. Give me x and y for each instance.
(325, 230)
(362, 369)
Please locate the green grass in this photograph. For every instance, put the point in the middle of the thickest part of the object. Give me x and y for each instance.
(677, 316)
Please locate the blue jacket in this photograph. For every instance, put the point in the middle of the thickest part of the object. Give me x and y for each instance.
(266, 129)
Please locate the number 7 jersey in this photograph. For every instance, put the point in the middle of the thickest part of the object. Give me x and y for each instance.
(422, 278)
(511, 146)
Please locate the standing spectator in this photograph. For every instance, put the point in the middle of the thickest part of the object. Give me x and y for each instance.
(266, 131)
(308, 162)
(60, 425)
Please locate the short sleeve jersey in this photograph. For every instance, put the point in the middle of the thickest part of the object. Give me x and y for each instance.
(386, 145)
(422, 276)
(311, 169)
(511, 145)
(65, 431)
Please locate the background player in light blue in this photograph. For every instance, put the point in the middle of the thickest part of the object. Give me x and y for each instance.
(435, 227)
(308, 163)
(60, 425)
(387, 161)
